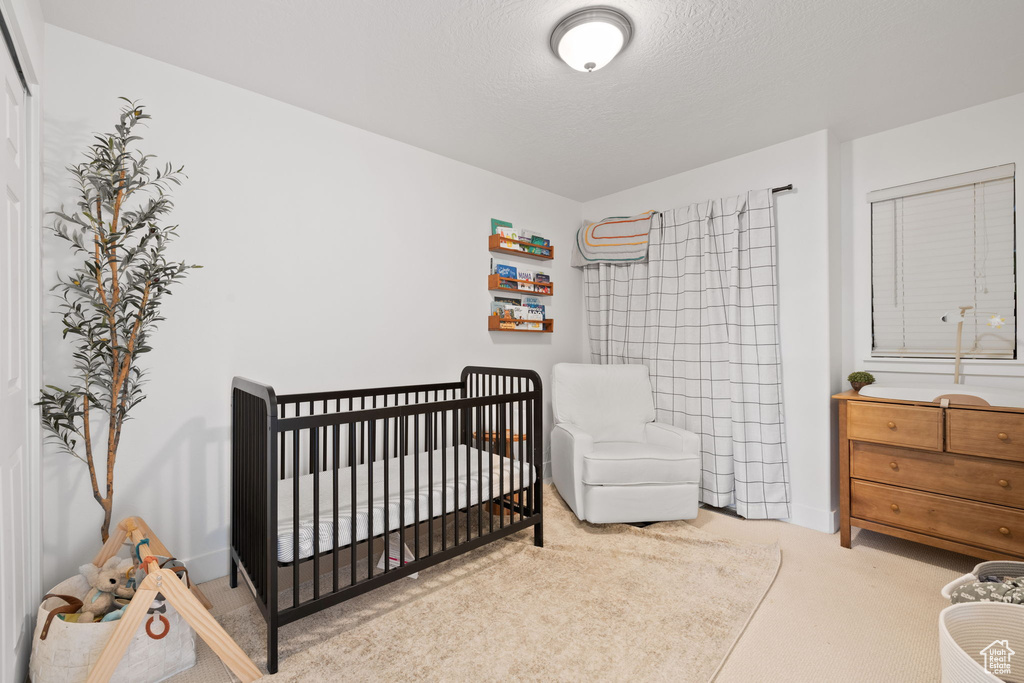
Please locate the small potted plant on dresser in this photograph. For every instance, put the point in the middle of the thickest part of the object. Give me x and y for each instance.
(860, 379)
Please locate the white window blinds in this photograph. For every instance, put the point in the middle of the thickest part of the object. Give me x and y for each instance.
(938, 245)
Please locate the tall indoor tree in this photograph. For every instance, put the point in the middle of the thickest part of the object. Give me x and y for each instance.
(110, 303)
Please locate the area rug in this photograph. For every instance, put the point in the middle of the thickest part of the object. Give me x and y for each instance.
(598, 602)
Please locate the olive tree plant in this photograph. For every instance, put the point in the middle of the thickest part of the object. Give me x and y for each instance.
(110, 303)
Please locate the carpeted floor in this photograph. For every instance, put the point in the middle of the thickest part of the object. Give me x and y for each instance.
(867, 613)
(610, 602)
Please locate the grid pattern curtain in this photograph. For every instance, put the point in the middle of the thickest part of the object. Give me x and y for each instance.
(702, 315)
(937, 246)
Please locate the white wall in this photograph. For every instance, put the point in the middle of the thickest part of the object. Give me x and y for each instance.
(808, 279)
(333, 258)
(979, 137)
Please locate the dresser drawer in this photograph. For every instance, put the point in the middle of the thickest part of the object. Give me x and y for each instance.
(915, 426)
(964, 476)
(980, 432)
(977, 524)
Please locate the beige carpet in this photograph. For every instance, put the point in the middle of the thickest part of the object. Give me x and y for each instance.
(610, 602)
(869, 613)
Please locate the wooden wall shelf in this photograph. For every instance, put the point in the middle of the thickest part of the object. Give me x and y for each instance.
(494, 285)
(494, 325)
(493, 242)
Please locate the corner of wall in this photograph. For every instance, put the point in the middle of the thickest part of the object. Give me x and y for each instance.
(834, 164)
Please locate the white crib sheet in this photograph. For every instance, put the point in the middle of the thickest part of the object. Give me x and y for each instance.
(410, 498)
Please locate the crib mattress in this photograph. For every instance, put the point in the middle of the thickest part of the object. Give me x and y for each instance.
(450, 491)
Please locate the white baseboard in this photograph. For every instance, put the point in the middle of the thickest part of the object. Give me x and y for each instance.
(209, 566)
(826, 521)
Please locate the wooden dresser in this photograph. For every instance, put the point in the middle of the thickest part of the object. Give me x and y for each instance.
(951, 477)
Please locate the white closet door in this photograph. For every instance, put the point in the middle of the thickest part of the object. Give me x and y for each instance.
(16, 601)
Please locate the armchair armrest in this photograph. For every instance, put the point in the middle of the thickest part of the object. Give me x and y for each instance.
(670, 436)
(579, 441)
(569, 443)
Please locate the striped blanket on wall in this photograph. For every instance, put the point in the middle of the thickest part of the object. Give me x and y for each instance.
(620, 239)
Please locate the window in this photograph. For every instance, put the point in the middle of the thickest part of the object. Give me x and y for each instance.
(938, 245)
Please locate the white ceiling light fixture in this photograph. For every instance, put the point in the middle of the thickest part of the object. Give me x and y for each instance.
(589, 38)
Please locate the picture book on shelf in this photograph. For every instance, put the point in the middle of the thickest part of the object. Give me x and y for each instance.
(496, 224)
(542, 283)
(505, 270)
(534, 306)
(541, 243)
(525, 280)
(509, 242)
(534, 316)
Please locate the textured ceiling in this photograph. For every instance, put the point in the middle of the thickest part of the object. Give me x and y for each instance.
(474, 80)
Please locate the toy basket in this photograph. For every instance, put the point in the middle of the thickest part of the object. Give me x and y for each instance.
(70, 649)
(996, 568)
(975, 639)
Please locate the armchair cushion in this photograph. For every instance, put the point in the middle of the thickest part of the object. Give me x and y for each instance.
(623, 463)
(609, 402)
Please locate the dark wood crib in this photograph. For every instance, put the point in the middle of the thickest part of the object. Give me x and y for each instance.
(327, 480)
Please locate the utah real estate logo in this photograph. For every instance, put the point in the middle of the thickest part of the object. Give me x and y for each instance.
(997, 657)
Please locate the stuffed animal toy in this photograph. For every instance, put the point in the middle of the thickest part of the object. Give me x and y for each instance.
(107, 585)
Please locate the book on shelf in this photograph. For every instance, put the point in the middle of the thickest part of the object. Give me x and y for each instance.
(507, 318)
(525, 280)
(541, 243)
(510, 239)
(542, 283)
(505, 270)
(518, 314)
(496, 225)
(534, 316)
(534, 309)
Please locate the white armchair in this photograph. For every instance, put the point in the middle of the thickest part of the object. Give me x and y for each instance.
(610, 461)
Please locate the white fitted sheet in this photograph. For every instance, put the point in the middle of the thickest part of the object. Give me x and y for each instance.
(454, 491)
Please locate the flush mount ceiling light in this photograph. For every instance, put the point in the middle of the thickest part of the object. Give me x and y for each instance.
(589, 38)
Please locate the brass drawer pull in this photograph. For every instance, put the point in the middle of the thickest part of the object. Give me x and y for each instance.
(1004, 483)
(1003, 436)
(894, 466)
(1004, 531)
(891, 425)
(896, 508)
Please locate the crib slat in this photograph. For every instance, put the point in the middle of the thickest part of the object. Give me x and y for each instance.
(335, 473)
(401, 484)
(522, 458)
(387, 498)
(530, 502)
(444, 483)
(428, 427)
(416, 483)
(295, 518)
(353, 541)
(371, 428)
(314, 457)
(503, 451)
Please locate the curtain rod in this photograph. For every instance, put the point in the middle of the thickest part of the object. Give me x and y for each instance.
(784, 188)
